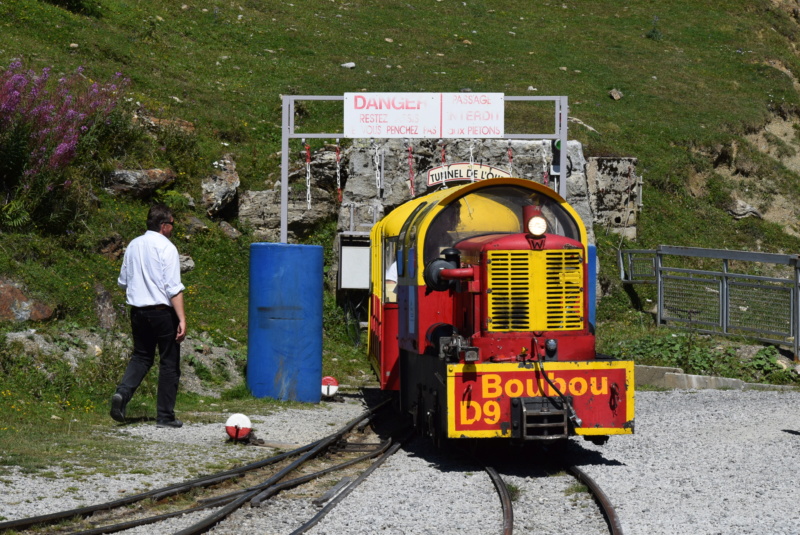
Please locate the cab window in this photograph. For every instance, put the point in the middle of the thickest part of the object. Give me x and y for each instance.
(390, 271)
(493, 210)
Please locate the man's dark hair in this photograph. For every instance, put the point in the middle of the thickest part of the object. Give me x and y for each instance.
(158, 214)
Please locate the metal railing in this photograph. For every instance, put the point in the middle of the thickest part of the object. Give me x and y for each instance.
(749, 294)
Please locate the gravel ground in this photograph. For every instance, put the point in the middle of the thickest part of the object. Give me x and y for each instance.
(707, 461)
(701, 462)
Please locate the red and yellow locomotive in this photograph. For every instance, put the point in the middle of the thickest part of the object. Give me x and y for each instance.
(481, 317)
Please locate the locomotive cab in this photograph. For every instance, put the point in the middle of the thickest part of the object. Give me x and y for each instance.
(492, 331)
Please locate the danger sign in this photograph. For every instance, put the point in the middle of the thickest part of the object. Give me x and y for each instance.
(424, 115)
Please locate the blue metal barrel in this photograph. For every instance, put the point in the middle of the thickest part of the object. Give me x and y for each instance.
(284, 335)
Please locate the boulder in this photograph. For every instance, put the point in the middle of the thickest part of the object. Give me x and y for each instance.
(17, 306)
(104, 307)
(740, 209)
(187, 264)
(219, 189)
(229, 230)
(140, 184)
(261, 210)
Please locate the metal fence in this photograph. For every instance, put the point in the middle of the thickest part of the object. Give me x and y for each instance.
(719, 291)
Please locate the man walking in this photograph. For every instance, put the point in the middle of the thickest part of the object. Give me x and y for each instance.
(151, 278)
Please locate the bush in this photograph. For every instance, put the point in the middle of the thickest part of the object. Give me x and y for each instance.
(696, 355)
(44, 124)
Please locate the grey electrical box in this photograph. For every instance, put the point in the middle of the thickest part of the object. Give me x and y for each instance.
(354, 262)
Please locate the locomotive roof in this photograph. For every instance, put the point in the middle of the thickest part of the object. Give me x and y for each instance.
(393, 222)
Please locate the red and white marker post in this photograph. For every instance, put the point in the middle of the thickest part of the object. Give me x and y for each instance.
(329, 386)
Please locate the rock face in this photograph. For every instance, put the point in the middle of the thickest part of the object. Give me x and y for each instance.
(592, 188)
(17, 306)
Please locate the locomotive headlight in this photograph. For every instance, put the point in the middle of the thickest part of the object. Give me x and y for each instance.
(537, 225)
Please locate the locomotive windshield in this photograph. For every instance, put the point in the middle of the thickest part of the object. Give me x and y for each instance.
(493, 210)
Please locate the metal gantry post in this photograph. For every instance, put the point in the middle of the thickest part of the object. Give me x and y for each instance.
(288, 134)
(288, 129)
(562, 178)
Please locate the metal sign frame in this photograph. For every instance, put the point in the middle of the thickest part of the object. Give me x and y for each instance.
(561, 110)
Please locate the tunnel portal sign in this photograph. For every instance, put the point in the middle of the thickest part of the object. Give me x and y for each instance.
(463, 171)
(424, 115)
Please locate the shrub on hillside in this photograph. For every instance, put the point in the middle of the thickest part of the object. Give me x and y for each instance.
(698, 355)
(44, 125)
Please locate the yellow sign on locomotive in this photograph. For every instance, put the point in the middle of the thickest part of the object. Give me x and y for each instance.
(480, 395)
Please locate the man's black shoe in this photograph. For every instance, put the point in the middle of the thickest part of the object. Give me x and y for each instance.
(169, 423)
(118, 407)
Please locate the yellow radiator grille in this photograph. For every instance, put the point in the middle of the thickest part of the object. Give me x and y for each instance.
(510, 280)
(535, 290)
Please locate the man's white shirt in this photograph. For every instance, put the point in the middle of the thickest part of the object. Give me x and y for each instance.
(151, 271)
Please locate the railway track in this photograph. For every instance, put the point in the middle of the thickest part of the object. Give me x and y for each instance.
(505, 500)
(604, 503)
(210, 499)
(294, 491)
(423, 491)
(557, 498)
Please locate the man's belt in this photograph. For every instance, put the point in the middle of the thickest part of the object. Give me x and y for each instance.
(152, 307)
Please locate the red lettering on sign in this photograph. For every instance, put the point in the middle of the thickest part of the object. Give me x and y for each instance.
(361, 102)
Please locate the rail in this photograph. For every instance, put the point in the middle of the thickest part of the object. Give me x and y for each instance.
(747, 294)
